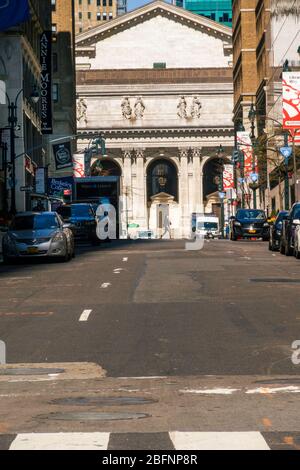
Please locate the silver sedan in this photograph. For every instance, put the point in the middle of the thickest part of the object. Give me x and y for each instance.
(33, 234)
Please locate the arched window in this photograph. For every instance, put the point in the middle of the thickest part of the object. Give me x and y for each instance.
(105, 167)
(162, 178)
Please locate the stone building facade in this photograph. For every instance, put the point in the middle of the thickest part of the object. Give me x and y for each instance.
(157, 84)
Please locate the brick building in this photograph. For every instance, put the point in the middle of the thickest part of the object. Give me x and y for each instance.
(91, 13)
(64, 77)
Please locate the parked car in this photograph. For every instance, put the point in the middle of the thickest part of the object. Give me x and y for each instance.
(38, 234)
(276, 231)
(249, 223)
(287, 241)
(82, 218)
(297, 242)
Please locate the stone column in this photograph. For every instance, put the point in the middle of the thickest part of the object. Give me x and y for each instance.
(127, 188)
(140, 189)
(198, 180)
(184, 192)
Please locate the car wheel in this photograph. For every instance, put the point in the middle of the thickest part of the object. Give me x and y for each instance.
(282, 248)
(287, 250)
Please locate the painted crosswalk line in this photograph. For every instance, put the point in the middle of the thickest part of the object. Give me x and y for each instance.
(181, 441)
(218, 441)
(61, 441)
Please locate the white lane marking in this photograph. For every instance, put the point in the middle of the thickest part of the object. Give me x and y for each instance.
(118, 270)
(213, 391)
(144, 378)
(265, 390)
(85, 315)
(61, 441)
(105, 285)
(125, 260)
(218, 441)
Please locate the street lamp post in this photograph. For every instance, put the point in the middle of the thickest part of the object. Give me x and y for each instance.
(12, 124)
(220, 154)
(254, 186)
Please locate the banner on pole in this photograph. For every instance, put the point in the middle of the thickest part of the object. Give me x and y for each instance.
(79, 165)
(245, 145)
(63, 155)
(228, 177)
(13, 12)
(291, 100)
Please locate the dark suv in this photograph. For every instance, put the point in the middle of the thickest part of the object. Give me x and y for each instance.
(249, 223)
(82, 218)
(287, 242)
(276, 231)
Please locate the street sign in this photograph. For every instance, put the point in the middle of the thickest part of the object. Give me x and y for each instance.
(254, 177)
(26, 189)
(286, 152)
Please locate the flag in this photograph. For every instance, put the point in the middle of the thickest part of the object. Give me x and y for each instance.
(13, 12)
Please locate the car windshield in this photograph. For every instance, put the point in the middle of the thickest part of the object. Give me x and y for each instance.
(250, 214)
(208, 225)
(82, 211)
(34, 222)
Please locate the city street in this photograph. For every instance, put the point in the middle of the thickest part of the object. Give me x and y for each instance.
(144, 344)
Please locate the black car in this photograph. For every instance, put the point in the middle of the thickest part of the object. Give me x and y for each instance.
(249, 223)
(276, 231)
(82, 218)
(287, 241)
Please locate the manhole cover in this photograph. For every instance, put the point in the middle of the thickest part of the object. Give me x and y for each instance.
(94, 416)
(102, 401)
(274, 280)
(33, 371)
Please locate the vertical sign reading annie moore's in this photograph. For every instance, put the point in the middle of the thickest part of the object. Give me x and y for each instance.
(46, 82)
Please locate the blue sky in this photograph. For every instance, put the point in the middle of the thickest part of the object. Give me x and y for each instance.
(132, 4)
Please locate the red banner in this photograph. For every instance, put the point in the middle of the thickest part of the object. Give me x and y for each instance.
(228, 177)
(291, 100)
(245, 145)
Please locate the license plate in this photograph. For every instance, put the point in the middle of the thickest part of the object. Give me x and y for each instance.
(33, 250)
(252, 231)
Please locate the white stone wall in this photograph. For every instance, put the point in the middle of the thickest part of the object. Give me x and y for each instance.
(104, 110)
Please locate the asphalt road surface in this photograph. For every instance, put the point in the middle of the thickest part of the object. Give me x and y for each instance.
(149, 345)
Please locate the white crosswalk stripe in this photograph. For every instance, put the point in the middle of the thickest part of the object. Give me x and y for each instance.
(181, 441)
(61, 441)
(218, 441)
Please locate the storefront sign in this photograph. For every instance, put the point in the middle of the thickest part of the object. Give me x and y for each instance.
(57, 186)
(291, 100)
(63, 155)
(46, 82)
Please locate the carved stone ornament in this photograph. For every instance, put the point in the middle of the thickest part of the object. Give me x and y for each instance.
(82, 110)
(126, 108)
(196, 107)
(139, 108)
(183, 153)
(182, 108)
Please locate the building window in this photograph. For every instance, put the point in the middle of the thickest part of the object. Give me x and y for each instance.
(55, 62)
(98, 16)
(55, 93)
(104, 16)
(53, 5)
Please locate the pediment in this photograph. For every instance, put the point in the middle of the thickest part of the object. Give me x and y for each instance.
(86, 41)
(162, 198)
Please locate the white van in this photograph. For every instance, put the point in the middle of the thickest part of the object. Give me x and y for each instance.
(208, 226)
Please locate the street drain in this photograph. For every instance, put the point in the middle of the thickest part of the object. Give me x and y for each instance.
(276, 279)
(93, 416)
(102, 401)
(32, 371)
